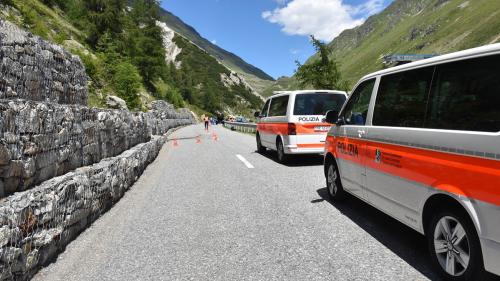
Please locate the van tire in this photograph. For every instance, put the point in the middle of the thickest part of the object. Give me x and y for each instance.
(282, 157)
(334, 187)
(468, 245)
(260, 148)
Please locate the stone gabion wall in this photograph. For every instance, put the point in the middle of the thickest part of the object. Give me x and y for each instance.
(49, 138)
(33, 69)
(37, 224)
(39, 141)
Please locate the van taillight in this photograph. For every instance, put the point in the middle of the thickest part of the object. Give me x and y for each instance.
(292, 129)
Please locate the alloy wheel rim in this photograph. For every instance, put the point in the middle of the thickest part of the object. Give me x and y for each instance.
(332, 178)
(451, 246)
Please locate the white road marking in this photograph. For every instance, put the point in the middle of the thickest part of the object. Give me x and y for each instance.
(245, 161)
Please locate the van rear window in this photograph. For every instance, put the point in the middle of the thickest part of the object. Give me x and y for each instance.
(317, 104)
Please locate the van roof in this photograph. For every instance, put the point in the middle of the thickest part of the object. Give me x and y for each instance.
(277, 93)
(470, 53)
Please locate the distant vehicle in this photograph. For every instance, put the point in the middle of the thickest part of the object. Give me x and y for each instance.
(421, 142)
(241, 119)
(293, 122)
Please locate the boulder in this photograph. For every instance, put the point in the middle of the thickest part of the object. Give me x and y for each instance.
(115, 102)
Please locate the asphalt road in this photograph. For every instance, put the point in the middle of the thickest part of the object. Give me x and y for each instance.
(199, 213)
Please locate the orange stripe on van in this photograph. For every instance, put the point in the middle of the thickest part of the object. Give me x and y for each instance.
(469, 176)
(311, 145)
(282, 128)
(273, 128)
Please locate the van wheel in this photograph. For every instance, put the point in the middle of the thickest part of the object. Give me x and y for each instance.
(454, 246)
(260, 149)
(282, 157)
(333, 184)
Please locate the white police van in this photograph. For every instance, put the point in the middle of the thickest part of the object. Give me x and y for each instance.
(293, 122)
(421, 142)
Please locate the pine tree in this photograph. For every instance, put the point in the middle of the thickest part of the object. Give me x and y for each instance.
(104, 16)
(323, 73)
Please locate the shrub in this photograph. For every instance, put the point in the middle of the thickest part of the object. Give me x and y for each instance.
(168, 93)
(127, 82)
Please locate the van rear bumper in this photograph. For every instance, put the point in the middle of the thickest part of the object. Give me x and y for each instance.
(305, 144)
(491, 255)
(305, 149)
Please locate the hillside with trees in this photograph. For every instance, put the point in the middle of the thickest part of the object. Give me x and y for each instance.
(122, 47)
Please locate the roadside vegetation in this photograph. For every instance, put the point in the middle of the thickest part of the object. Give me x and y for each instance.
(321, 74)
(122, 49)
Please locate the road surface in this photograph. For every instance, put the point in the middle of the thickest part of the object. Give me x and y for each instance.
(201, 212)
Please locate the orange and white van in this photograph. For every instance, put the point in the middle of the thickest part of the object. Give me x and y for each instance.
(293, 122)
(421, 142)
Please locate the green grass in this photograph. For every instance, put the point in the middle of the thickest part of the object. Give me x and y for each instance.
(50, 24)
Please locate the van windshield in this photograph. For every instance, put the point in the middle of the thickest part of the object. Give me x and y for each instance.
(317, 104)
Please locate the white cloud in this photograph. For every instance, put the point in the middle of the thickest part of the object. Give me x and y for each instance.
(325, 19)
(368, 8)
(280, 2)
(214, 42)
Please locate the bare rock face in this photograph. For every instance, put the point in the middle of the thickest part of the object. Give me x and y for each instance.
(115, 102)
(234, 79)
(171, 49)
(34, 69)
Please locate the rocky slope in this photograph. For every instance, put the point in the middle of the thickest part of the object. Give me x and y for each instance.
(257, 78)
(229, 89)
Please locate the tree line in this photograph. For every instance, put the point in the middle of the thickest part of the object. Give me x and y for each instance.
(130, 57)
(128, 44)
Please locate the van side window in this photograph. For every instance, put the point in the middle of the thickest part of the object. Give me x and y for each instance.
(356, 110)
(466, 96)
(265, 109)
(402, 98)
(279, 106)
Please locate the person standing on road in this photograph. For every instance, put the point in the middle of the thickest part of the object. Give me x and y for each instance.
(206, 122)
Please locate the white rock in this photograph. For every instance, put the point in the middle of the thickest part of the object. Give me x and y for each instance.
(115, 102)
(171, 49)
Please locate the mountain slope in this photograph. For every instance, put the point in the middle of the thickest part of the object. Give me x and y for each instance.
(416, 27)
(186, 75)
(204, 81)
(255, 76)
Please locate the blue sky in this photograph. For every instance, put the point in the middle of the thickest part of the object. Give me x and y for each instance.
(272, 34)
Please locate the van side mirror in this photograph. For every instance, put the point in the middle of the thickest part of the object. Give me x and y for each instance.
(256, 114)
(332, 116)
